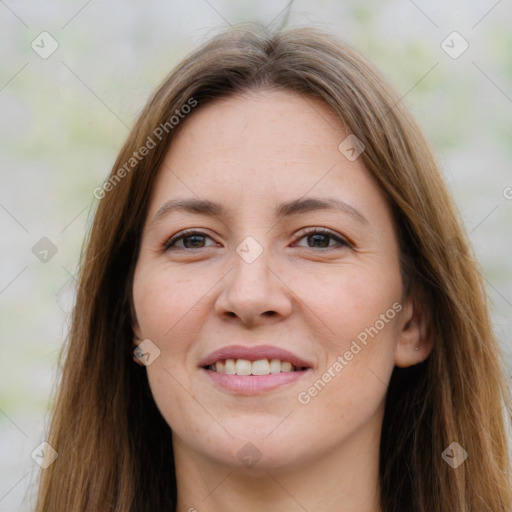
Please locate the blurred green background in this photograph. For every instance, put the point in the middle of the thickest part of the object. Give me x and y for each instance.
(64, 116)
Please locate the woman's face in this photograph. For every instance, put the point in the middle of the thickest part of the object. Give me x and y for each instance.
(268, 279)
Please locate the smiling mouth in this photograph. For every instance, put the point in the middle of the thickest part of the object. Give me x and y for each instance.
(258, 367)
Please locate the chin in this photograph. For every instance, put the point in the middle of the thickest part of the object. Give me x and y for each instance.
(255, 457)
(254, 447)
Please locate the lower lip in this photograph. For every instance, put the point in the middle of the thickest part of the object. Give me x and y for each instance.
(253, 384)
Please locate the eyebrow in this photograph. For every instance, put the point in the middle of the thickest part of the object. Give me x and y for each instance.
(287, 209)
(197, 206)
(309, 204)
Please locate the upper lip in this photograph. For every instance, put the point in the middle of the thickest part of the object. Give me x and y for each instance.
(253, 353)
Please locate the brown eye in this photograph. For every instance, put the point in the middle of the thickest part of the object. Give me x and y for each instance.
(193, 241)
(318, 240)
(323, 239)
(188, 240)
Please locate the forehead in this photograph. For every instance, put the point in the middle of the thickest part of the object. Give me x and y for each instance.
(262, 122)
(262, 148)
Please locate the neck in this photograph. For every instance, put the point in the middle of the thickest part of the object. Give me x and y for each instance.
(345, 479)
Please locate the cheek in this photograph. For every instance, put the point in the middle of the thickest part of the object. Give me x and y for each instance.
(359, 310)
(350, 390)
(176, 402)
(169, 313)
(350, 300)
(165, 302)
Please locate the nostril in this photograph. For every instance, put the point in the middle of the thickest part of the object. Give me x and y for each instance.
(269, 313)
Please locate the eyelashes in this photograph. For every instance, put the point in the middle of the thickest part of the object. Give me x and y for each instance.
(194, 240)
(183, 235)
(316, 234)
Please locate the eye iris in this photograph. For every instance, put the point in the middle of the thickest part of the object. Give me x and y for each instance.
(193, 241)
(318, 240)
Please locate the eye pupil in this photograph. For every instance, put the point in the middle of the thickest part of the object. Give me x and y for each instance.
(193, 241)
(318, 240)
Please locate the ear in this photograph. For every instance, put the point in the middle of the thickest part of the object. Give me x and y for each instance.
(137, 334)
(135, 323)
(137, 339)
(414, 342)
(136, 343)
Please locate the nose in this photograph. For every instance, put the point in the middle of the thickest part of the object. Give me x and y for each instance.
(254, 293)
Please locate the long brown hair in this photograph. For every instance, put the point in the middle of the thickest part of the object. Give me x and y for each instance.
(115, 449)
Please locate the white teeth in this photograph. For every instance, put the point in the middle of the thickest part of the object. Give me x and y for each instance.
(275, 366)
(229, 367)
(260, 367)
(246, 367)
(286, 366)
(243, 367)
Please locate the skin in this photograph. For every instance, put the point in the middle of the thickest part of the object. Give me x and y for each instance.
(312, 296)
